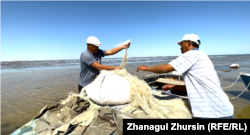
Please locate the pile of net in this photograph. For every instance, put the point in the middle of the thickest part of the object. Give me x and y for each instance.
(141, 97)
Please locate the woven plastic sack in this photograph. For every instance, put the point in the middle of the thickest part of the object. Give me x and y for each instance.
(109, 89)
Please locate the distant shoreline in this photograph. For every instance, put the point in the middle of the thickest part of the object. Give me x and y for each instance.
(49, 64)
(112, 58)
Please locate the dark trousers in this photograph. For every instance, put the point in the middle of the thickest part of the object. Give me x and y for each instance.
(79, 88)
(228, 117)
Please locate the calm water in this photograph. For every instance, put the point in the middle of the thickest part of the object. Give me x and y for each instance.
(28, 86)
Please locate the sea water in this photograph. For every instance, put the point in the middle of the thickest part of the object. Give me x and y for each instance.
(27, 86)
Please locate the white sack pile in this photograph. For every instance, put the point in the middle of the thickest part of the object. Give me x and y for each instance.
(109, 89)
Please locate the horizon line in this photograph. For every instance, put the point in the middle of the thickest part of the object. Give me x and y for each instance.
(112, 58)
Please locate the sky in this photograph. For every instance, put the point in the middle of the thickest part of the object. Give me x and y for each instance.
(53, 30)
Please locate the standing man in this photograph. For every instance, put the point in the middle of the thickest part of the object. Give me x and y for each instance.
(206, 96)
(90, 61)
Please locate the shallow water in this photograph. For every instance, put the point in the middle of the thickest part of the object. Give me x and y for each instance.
(24, 91)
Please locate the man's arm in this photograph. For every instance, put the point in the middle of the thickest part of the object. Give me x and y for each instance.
(117, 49)
(157, 69)
(114, 51)
(98, 66)
(174, 87)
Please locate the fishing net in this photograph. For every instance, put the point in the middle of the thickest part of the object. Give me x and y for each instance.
(125, 58)
(124, 61)
(141, 97)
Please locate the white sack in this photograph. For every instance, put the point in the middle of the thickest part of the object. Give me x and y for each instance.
(109, 89)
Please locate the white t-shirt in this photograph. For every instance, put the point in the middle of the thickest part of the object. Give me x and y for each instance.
(205, 94)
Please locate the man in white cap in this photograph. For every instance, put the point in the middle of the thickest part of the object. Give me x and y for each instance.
(205, 95)
(90, 61)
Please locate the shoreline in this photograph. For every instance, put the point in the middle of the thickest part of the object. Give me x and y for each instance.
(36, 64)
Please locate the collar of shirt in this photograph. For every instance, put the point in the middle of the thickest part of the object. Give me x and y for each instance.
(93, 54)
(195, 49)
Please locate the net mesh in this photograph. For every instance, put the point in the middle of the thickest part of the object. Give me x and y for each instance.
(141, 97)
(125, 58)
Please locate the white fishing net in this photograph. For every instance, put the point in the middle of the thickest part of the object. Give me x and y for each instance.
(125, 58)
(141, 96)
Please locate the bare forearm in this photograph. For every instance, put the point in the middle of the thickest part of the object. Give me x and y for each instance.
(116, 50)
(104, 67)
(98, 66)
(160, 69)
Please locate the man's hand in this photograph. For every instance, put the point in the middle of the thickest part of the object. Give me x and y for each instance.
(142, 67)
(167, 87)
(113, 51)
(126, 44)
(117, 68)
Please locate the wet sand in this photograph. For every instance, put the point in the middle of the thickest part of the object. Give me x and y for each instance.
(25, 91)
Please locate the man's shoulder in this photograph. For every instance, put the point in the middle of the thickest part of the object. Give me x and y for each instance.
(195, 53)
(86, 54)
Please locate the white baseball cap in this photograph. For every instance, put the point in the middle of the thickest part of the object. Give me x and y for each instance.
(191, 37)
(94, 41)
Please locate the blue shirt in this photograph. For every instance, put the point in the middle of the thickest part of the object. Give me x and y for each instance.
(89, 73)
